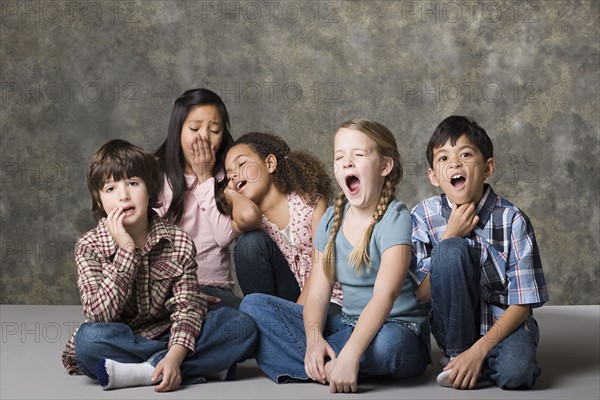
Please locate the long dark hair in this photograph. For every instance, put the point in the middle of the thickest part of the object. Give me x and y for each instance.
(170, 155)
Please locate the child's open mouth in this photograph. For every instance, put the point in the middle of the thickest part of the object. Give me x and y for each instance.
(240, 185)
(353, 184)
(458, 181)
(128, 210)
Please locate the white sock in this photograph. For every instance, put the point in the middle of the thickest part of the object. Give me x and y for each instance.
(113, 374)
(482, 381)
(442, 378)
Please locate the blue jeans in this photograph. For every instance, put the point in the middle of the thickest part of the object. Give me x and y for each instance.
(455, 311)
(227, 337)
(228, 298)
(262, 268)
(395, 352)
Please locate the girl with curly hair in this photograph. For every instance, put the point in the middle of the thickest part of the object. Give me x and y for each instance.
(280, 196)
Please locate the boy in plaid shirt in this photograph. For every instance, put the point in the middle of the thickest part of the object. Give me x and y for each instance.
(477, 260)
(146, 319)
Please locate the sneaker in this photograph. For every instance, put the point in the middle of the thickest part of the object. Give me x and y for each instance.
(482, 382)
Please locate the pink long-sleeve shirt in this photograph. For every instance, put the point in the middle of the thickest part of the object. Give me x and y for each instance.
(210, 230)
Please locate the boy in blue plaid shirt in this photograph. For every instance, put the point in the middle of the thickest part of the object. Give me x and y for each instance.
(477, 261)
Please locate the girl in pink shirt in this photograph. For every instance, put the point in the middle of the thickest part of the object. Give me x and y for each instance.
(278, 196)
(192, 159)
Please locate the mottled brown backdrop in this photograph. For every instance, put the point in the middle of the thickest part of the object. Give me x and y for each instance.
(74, 74)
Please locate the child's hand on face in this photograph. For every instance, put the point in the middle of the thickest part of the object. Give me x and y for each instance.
(114, 222)
(203, 158)
(228, 192)
(462, 221)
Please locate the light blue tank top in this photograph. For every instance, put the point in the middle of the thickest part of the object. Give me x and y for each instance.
(394, 228)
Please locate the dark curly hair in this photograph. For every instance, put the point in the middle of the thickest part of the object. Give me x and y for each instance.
(297, 171)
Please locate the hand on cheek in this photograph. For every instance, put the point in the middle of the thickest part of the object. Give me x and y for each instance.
(114, 223)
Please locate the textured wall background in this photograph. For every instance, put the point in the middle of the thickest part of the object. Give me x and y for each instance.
(75, 74)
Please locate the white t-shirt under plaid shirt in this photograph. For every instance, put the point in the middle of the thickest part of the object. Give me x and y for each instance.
(508, 253)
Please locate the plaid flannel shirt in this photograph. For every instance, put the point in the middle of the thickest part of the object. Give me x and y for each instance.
(151, 291)
(505, 241)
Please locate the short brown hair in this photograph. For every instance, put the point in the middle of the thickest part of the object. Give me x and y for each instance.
(119, 159)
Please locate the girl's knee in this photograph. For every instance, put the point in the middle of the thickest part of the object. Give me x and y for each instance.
(250, 243)
(254, 304)
(241, 319)
(250, 247)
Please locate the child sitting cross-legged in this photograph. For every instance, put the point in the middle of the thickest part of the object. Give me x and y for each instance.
(146, 319)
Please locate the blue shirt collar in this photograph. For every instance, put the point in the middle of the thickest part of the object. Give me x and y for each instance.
(484, 208)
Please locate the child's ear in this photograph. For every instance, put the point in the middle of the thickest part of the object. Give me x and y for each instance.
(271, 162)
(490, 168)
(388, 165)
(432, 177)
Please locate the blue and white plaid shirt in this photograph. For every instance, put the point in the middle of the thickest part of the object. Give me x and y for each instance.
(508, 253)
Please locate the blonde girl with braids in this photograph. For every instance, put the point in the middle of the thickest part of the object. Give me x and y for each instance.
(364, 242)
(278, 197)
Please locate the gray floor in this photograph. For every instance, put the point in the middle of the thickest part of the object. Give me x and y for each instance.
(33, 338)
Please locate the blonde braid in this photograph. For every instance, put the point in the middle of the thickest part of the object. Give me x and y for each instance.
(329, 254)
(359, 256)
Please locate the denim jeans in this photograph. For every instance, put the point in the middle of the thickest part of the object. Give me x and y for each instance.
(227, 337)
(262, 268)
(512, 364)
(228, 298)
(455, 309)
(395, 352)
